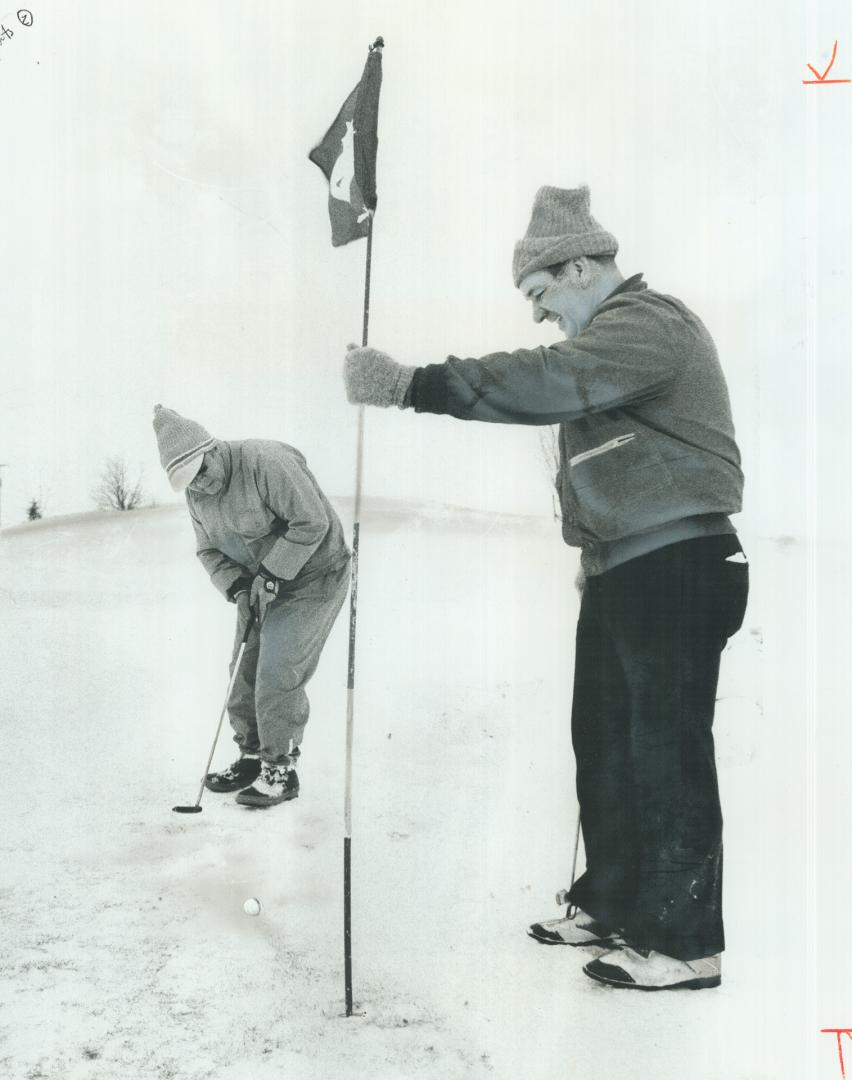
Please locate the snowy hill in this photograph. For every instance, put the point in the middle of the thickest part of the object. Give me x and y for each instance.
(126, 949)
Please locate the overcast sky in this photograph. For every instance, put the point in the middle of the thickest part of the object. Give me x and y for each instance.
(166, 240)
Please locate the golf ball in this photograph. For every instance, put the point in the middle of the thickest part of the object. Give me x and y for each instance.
(252, 906)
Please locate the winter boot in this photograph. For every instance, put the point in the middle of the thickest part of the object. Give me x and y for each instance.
(236, 776)
(643, 969)
(576, 929)
(277, 783)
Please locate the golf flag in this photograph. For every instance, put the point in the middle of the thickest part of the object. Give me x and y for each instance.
(347, 155)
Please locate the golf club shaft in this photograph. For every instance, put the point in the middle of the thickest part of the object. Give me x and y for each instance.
(572, 908)
(576, 848)
(233, 679)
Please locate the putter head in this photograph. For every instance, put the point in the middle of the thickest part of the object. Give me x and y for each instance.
(187, 809)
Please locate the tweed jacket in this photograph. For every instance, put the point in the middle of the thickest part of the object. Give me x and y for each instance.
(647, 447)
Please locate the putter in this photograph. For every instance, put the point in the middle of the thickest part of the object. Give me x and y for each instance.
(196, 807)
(562, 895)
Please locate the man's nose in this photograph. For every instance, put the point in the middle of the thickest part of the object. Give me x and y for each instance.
(539, 314)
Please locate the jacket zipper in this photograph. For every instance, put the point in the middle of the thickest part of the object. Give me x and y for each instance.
(620, 440)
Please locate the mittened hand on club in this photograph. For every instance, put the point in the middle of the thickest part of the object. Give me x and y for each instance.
(243, 602)
(264, 589)
(374, 378)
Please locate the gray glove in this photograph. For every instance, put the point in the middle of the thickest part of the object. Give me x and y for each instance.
(243, 602)
(374, 378)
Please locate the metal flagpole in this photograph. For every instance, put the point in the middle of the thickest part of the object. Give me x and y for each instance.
(350, 686)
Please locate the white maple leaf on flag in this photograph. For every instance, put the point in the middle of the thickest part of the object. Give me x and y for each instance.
(343, 173)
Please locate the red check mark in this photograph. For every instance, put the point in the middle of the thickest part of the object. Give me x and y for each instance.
(823, 78)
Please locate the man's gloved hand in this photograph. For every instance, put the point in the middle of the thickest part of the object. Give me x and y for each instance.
(374, 378)
(264, 590)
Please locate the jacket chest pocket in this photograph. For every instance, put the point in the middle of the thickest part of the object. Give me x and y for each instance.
(617, 463)
(604, 448)
(617, 485)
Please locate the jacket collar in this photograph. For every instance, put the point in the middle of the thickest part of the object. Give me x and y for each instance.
(631, 284)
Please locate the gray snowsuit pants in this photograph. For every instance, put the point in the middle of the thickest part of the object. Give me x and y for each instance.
(268, 707)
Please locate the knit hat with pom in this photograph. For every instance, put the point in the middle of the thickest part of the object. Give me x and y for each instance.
(561, 228)
(182, 445)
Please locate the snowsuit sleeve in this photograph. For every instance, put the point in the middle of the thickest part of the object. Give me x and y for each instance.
(224, 572)
(290, 492)
(627, 354)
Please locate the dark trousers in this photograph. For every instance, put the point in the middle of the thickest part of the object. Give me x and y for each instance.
(649, 640)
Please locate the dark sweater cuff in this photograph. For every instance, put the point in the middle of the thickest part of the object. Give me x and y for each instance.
(242, 584)
(428, 390)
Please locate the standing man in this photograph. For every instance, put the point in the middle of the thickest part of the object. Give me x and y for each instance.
(272, 544)
(649, 474)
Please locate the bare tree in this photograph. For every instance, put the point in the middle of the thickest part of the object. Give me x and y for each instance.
(115, 490)
(34, 511)
(548, 441)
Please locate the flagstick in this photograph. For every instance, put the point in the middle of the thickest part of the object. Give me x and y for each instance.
(350, 691)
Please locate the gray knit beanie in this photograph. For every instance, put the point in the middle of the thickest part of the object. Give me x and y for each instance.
(561, 228)
(182, 445)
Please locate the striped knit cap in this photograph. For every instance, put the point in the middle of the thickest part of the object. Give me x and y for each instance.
(561, 228)
(182, 445)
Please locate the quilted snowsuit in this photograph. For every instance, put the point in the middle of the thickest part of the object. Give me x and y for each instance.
(271, 510)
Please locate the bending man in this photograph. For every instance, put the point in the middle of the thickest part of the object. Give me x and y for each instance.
(271, 543)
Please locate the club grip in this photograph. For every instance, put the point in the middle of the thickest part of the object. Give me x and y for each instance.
(249, 625)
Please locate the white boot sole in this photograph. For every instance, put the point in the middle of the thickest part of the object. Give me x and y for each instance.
(689, 984)
(543, 939)
(257, 801)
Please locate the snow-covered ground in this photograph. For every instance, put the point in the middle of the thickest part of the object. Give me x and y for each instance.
(125, 949)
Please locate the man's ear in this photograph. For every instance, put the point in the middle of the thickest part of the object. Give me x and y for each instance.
(578, 272)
